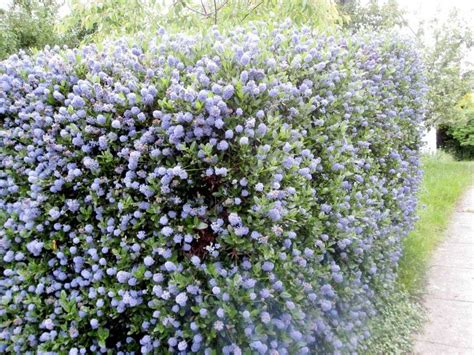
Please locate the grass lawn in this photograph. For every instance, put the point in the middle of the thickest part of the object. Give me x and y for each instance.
(444, 182)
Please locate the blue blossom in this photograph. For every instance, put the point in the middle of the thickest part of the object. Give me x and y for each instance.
(167, 231)
(77, 102)
(265, 317)
(35, 247)
(228, 92)
(245, 59)
(248, 209)
(90, 164)
(169, 266)
(94, 323)
(234, 219)
(48, 324)
(274, 214)
(218, 325)
(241, 231)
(54, 213)
(244, 140)
(221, 171)
(116, 124)
(195, 260)
(262, 129)
(182, 345)
(222, 145)
(123, 276)
(267, 266)
(148, 261)
(220, 313)
(181, 299)
(326, 305)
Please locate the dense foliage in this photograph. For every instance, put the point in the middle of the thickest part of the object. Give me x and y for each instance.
(95, 21)
(235, 192)
(33, 24)
(463, 134)
(27, 24)
(458, 137)
(400, 317)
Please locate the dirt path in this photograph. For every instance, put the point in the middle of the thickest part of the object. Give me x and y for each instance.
(449, 295)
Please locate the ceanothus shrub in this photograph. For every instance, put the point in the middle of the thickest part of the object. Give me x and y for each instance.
(232, 193)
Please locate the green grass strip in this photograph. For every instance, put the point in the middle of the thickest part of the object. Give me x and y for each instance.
(444, 181)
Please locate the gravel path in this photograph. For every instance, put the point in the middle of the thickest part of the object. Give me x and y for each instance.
(449, 294)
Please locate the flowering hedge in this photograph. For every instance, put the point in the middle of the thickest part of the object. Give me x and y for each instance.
(229, 193)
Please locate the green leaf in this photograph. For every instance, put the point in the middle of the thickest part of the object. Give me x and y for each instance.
(202, 225)
(63, 301)
(102, 334)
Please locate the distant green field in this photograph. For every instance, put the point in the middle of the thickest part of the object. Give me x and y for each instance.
(443, 184)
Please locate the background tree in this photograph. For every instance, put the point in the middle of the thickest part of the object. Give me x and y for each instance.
(315, 13)
(450, 82)
(458, 137)
(444, 46)
(374, 15)
(96, 20)
(28, 24)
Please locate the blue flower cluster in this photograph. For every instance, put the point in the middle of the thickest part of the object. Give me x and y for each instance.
(237, 192)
